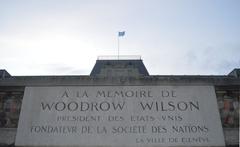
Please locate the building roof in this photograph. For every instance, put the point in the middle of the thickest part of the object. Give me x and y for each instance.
(113, 68)
(119, 72)
(235, 72)
(4, 74)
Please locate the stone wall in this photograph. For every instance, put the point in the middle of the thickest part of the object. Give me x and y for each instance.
(227, 92)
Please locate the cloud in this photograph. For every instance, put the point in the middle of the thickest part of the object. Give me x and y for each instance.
(173, 38)
(219, 59)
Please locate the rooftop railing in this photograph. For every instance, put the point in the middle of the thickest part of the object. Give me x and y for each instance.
(122, 57)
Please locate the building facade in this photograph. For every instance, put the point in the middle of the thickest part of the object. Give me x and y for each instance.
(123, 73)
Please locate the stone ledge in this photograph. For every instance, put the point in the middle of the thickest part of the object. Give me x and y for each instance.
(231, 136)
(7, 136)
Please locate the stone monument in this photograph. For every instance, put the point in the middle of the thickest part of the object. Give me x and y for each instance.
(119, 115)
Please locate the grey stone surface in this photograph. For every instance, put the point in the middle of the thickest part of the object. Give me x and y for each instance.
(18, 83)
(143, 80)
(231, 136)
(7, 136)
(98, 116)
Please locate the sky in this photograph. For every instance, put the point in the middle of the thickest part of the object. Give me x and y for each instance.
(173, 37)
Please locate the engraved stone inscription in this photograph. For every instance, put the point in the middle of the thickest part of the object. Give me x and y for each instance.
(119, 116)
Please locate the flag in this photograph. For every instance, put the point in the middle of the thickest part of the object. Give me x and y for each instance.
(121, 34)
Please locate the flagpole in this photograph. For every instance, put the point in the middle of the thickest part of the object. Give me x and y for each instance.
(118, 47)
(120, 34)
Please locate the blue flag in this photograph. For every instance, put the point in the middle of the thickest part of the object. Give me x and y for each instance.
(121, 34)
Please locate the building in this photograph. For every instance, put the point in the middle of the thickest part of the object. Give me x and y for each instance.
(124, 72)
